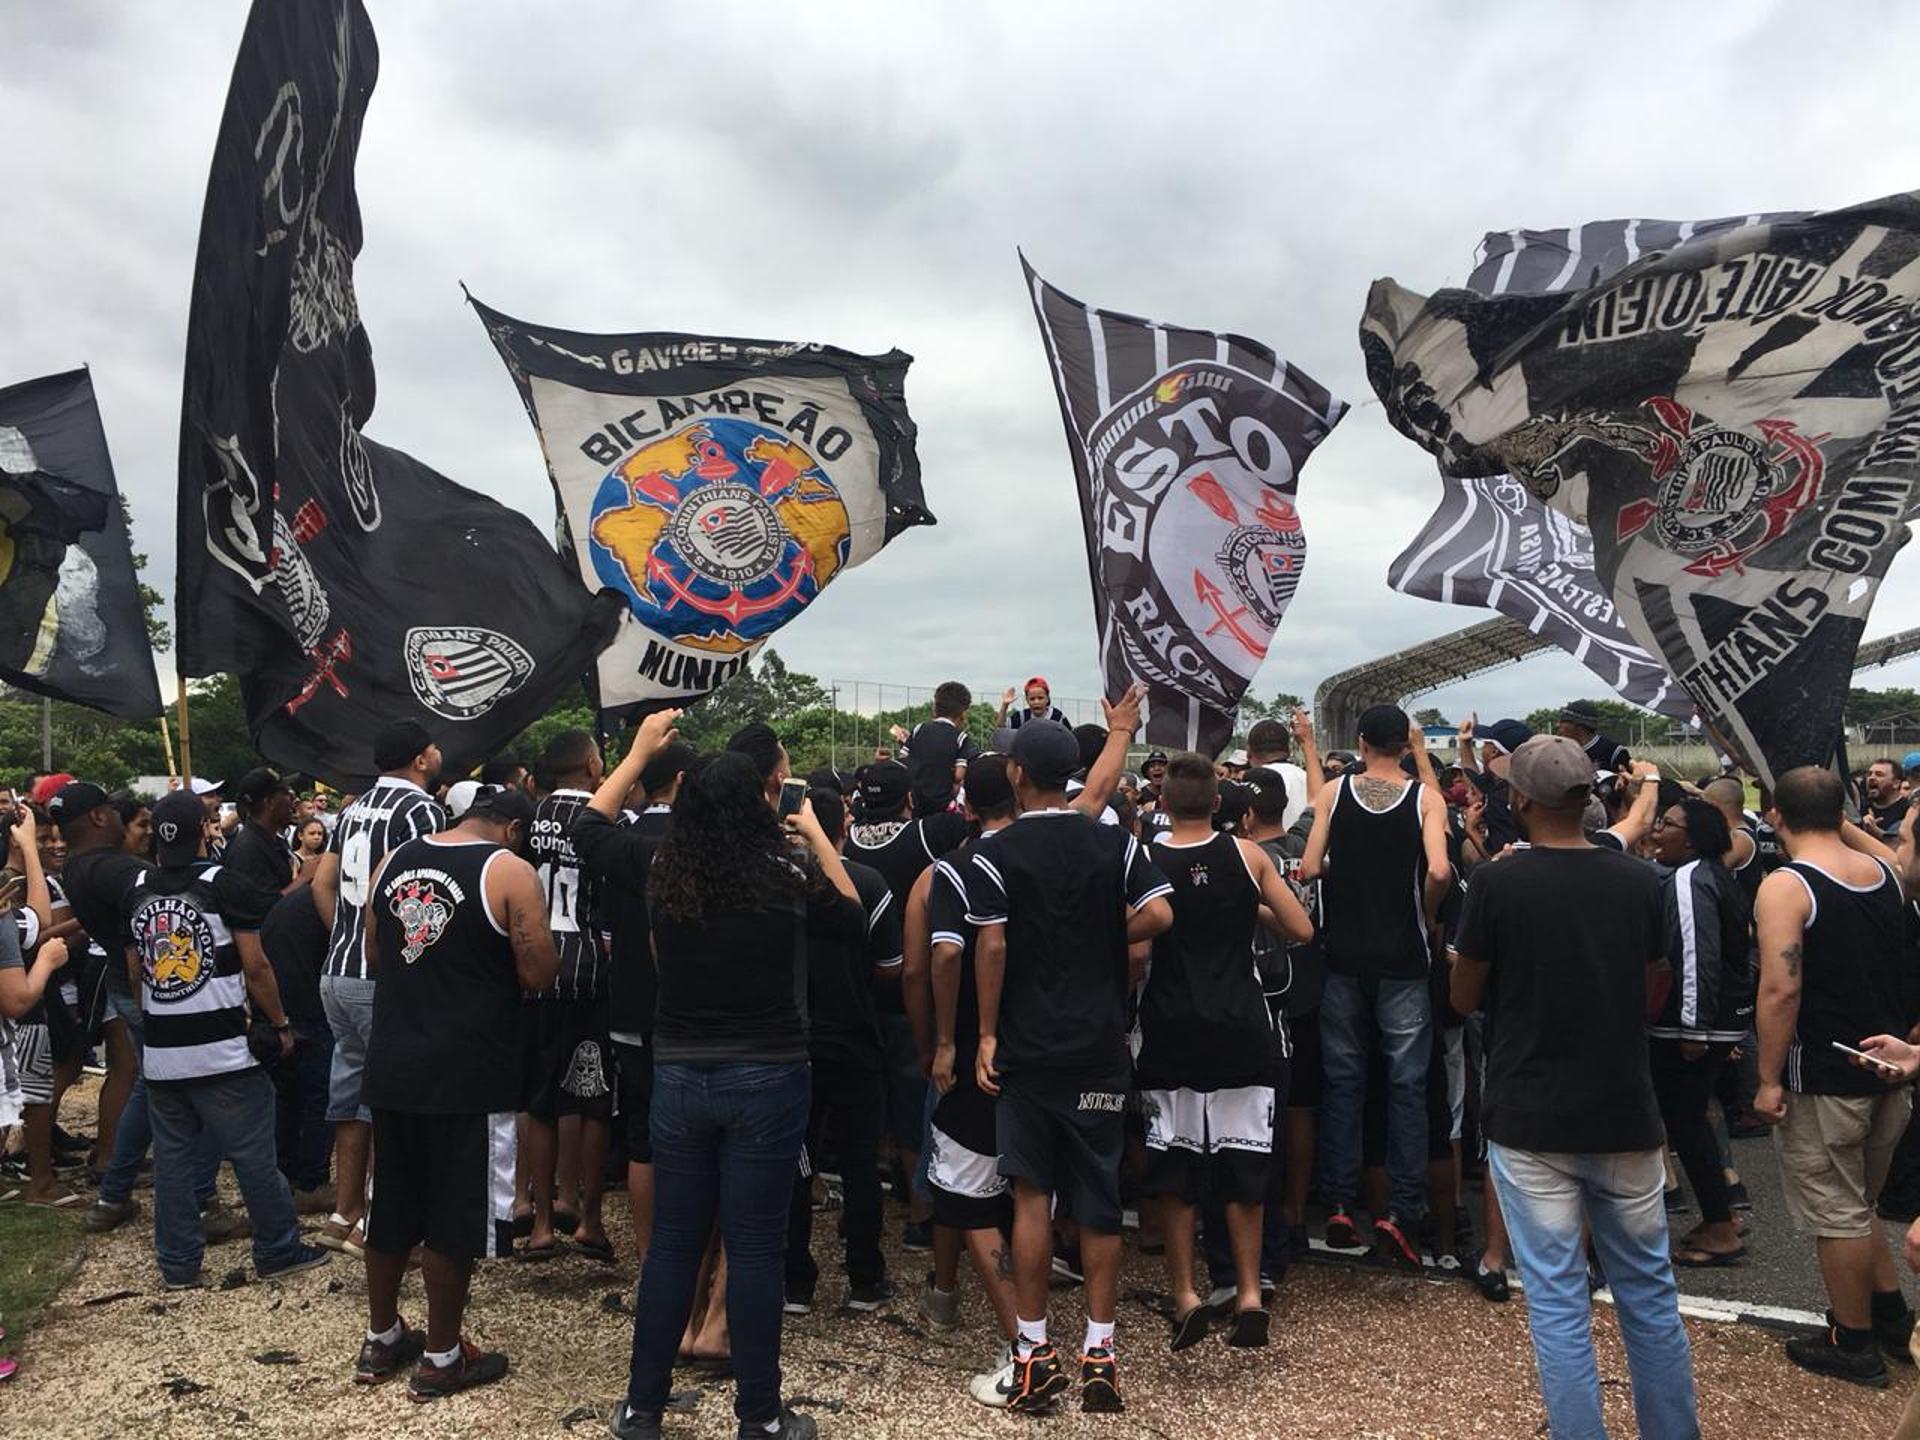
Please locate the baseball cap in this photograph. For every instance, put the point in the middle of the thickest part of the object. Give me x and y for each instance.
(1583, 713)
(1236, 757)
(1235, 800)
(74, 799)
(1911, 762)
(500, 802)
(200, 785)
(49, 786)
(884, 786)
(1507, 736)
(1158, 757)
(179, 822)
(825, 777)
(397, 743)
(988, 787)
(460, 797)
(1551, 769)
(1384, 727)
(257, 784)
(1048, 752)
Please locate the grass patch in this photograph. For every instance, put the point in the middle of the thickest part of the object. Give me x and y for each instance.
(37, 1249)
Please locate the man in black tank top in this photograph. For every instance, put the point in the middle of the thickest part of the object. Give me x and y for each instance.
(1379, 849)
(1210, 1063)
(1833, 952)
(456, 929)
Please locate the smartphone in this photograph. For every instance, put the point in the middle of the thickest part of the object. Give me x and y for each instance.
(793, 794)
(1885, 1067)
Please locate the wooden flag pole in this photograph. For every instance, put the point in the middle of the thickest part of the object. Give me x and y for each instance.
(186, 743)
(166, 739)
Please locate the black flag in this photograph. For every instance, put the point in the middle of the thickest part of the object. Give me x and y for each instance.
(71, 622)
(1187, 446)
(716, 485)
(347, 583)
(1737, 420)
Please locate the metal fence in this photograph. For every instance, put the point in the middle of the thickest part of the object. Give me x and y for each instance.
(865, 710)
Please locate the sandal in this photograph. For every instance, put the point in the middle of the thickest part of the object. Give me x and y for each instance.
(1191, 1328)
(601, 1249)
(1249, 1330)
(564, 1223)
(1493, 1284)
(1692, 1257)
(534, 1254)
(66, 1200)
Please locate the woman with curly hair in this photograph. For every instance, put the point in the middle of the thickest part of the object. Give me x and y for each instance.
(732, 894)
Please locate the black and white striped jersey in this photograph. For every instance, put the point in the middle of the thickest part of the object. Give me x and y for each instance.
(391, 812)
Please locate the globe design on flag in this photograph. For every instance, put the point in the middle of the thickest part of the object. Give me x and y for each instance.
(718, 533)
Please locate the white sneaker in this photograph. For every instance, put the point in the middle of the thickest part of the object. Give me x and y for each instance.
(996, 1387)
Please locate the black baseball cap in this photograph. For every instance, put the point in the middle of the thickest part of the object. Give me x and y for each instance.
(884, 786)
(77, 798)
(258, 784)
(501, 802)
(1506, 736)
(1048, 751)
(1158, 757)
(1385, 727)
(179, 823)
(988, 786)
(397, 743)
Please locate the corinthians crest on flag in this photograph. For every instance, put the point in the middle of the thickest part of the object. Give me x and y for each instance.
(348, 584)
(716, 485)
(1737, 421)
(1187, 446)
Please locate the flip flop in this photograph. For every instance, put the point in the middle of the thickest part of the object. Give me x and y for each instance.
(601, 1250)
(65, 1202)
(1190, 1329)
(537, 1254)
(1709, 1259)
(10, 1192)
(7, 1368)
(523, 1225)
(565, 1223)
(1249, 1330)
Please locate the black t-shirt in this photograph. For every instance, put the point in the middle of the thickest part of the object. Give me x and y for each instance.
(295, 940)
(932, 751)
(1566, 1067)
(965, 1113)
(841, 1028)
(1063, 885)
(617, 856)
(97, 882)
(733, 986)
(259, 855)
(900, 850)
(1503, 827)
(1891, 816)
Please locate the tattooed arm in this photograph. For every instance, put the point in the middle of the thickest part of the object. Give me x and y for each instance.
(518, 904)
(1781, 913)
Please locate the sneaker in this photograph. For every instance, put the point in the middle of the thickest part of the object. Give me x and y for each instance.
(939, 1308)
(196, 1281)
(343, 1235)
(1824, 1355)
(304, 1257)
(1066, 1263)
(220, 1224)
(626, 1423)
(791, 1425)
(318, 1201)
(1391, 1244)
(798, 1302)
(472, 1366)
(996, 1387)
(1341, 1232)
(380, 1360)
(106, 1215)
(1037, 1378)
(917, 1237)
(1100, 1383)
(872, 1296)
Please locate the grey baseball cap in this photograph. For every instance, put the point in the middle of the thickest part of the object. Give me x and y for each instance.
(1551, 770)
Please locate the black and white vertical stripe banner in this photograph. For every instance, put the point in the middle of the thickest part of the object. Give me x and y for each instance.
(1187, 446)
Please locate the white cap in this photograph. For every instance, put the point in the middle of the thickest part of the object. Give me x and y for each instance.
(1238, 757)
(202, 786)
(460, 797)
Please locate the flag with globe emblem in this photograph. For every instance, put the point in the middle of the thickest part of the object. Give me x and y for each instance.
(718, 485)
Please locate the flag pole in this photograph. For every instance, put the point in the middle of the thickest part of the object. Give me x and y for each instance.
(166, 740)
(186, 744)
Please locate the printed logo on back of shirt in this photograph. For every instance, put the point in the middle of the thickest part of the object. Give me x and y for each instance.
(423, 902)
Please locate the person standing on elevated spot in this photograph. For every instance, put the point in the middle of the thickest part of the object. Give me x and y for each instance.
(1060, 899)
(456, 928)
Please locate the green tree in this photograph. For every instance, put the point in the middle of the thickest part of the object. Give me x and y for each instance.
(159, 635)
(1618, 719)
(1278, 708)
(1430, 716)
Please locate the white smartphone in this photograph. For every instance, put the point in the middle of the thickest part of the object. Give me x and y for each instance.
(1885, 1067)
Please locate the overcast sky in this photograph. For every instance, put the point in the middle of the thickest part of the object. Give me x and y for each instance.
(861, 174)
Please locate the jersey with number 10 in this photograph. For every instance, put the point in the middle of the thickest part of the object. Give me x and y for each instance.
(571, 913)
(390, 813)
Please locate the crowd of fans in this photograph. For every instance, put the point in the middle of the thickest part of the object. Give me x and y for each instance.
(1044, 998)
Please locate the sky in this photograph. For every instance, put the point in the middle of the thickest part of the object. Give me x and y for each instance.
(860, 175)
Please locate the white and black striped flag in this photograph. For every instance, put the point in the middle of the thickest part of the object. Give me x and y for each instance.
(1187, 445)
(1735, 417)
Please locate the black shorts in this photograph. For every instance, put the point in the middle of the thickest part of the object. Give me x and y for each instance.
(1066, 1137)
(567, 1060)
(963, 1162)
(1308, 1078)
(443, 1181)
(634, 1065)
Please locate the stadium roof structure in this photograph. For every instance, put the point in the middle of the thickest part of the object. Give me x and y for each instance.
(1448, 659)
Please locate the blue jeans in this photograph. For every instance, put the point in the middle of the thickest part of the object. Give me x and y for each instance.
(235, 1113)
(349, 1007)
(301, 1133)
(726, 1142)
(135, 1135)
(1355, 1015)
(1544, 1198)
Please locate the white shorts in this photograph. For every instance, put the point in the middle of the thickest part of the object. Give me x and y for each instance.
(1209, 1121)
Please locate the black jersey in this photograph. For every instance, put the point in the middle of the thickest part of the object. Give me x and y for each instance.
(966, 1112)
(900, 850)
(841, 1024)
(447, 1012)
(572, 905)
(1372, 901)
(1203, 1020)
(391, 812)
(1852, 980)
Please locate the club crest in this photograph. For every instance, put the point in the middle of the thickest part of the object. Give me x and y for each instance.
(176, 947)
(423, 914)
(462, 671)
